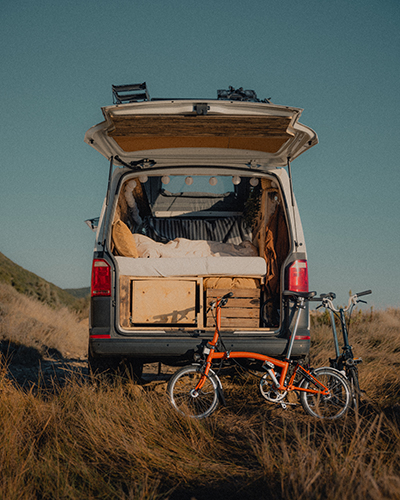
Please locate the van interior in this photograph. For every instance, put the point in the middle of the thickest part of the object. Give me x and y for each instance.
(181, 241)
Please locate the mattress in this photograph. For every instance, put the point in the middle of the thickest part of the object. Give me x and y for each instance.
(196, 266)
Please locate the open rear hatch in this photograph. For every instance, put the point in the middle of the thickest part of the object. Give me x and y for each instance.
(208, 131)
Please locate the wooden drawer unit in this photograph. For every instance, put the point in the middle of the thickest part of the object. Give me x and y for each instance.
(242, 310)
(158, 302)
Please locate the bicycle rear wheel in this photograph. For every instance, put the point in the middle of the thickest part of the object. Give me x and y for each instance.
(332, 406)
(195, 404)
(352, 376)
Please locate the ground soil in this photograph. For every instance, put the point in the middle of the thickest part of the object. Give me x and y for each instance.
(32, 368)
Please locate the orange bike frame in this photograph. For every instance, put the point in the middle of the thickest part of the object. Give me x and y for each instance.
(212, 355)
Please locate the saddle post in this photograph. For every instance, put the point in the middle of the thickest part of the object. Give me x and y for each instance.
(299, 305)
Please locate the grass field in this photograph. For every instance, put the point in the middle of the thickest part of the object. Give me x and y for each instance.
(91, 439)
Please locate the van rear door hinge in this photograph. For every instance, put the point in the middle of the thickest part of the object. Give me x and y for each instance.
(201, 108)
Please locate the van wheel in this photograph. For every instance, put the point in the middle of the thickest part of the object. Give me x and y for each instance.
(131, 368)
(114, 367)
(103, 365)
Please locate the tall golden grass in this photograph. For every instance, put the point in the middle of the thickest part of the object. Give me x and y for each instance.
(32, 323)
(375, 337)
(93, 439)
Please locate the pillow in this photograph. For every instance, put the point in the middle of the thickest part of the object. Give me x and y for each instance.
(123, 240)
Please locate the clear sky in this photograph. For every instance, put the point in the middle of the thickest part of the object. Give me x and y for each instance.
(338, 60)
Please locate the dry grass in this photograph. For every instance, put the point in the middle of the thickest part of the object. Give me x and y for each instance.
(91, 439)
(29, 322)
(123, 441)
(375, 337)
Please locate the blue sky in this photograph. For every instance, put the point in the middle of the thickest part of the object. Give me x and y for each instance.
(338, 60)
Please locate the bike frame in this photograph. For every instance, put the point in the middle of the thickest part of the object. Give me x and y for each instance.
(347, 352)
(269, 363)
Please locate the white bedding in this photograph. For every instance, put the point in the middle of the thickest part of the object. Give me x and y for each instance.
(195, 266)
(182, 247)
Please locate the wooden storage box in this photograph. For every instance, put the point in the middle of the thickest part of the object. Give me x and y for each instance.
(158, 302)
(242, 310)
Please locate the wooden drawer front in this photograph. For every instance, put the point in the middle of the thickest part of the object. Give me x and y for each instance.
(163, 302)
(241, 311)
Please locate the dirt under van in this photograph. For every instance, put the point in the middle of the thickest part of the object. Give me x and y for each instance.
(199, 203)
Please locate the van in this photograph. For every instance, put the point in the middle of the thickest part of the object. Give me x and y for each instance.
(199, 203)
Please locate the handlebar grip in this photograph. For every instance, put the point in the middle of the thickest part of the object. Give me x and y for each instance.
(367, 292)
(223, 300)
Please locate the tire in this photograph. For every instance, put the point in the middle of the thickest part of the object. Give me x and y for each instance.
(330, 407)
(180, 390)
(352, 376)
(114, 367)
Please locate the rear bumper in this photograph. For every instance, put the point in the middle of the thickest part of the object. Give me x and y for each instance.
(170, 349)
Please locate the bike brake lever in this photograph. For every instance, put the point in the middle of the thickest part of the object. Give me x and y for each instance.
(211, 306)
(363, 301)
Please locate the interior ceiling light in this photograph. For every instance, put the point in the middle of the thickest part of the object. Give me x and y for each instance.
(236, 180)
(189, 180)
(132, 184)
(143, 178)
(213, 181)
(165, 179)
(254, 181)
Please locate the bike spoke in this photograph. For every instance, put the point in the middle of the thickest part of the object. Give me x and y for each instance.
(186, 399)
(331, 406)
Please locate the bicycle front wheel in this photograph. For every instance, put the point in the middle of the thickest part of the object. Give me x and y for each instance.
(191, 403)
(332, 406)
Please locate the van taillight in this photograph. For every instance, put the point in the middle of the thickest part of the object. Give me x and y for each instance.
(101, 278)
(298, 276)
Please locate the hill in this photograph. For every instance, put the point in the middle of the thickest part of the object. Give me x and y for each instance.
(30, 284)
(79, 293)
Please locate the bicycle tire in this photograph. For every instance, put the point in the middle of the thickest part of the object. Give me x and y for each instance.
(352, 377)
(180, 391)
(330, 407)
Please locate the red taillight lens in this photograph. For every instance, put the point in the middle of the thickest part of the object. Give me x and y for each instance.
(101, 278)
(298, 276)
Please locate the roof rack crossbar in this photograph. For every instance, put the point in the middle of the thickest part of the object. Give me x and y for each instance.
(121, 95)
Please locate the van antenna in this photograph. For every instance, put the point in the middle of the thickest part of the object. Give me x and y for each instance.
(292, 199)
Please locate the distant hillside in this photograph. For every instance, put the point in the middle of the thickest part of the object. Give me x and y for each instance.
(79, 293)
(32, 285)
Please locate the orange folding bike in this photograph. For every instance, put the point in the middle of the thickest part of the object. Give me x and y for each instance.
(195, 390)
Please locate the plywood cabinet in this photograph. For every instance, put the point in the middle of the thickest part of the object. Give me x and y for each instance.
(160, 302)
(171, 302)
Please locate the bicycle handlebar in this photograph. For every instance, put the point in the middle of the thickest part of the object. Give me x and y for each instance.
(326, 299)
(221, 302)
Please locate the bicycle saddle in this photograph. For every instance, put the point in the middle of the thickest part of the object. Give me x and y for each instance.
(304, 295)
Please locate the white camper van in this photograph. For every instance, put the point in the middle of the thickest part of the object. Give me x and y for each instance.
(199, 203)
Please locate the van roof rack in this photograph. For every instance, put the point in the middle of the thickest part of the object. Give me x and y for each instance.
(239, 94)
(138, 92)
(130, 93)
